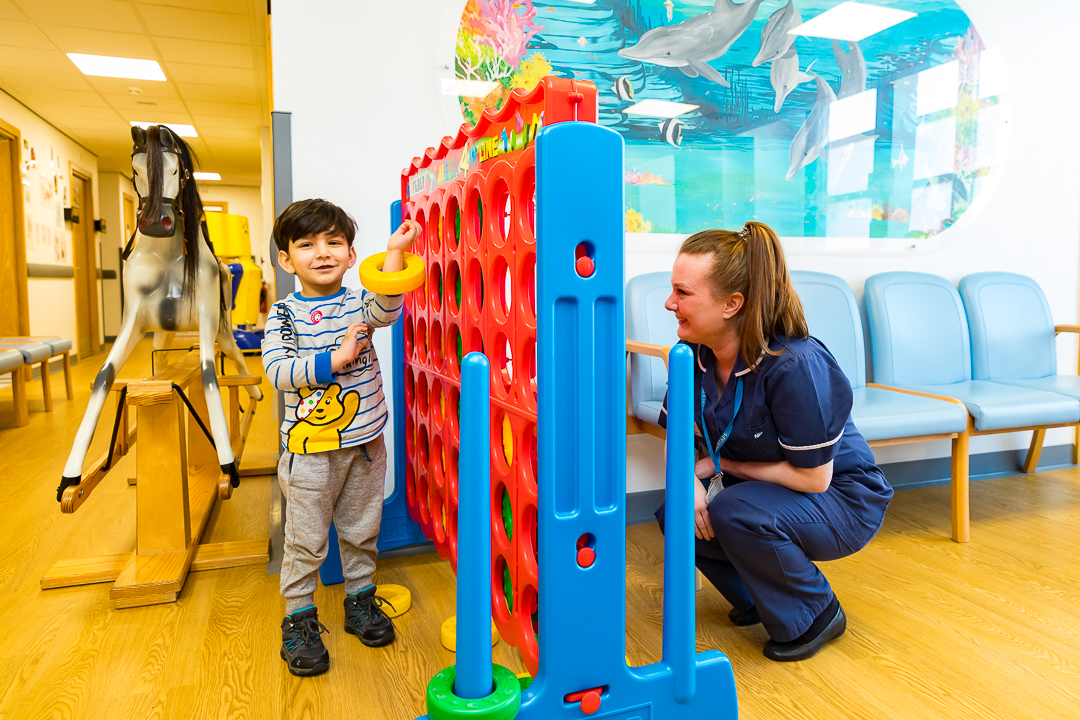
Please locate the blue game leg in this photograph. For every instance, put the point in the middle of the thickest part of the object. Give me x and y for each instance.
(474, 536)
(679, 610)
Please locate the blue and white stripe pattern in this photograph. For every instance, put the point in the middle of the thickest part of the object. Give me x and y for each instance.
(300, 334)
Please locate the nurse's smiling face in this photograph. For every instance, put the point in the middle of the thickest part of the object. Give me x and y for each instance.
(703, 318)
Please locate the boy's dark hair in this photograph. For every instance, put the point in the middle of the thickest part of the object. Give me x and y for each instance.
(311, 217)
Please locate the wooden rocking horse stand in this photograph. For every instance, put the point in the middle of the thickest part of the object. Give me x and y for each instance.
(178, 480)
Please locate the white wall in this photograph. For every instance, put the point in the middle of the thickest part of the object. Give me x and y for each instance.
(245, 201)
(48, 237)
(114, 186)
(362, 110)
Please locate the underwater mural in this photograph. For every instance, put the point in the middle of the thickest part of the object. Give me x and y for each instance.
(739, 111)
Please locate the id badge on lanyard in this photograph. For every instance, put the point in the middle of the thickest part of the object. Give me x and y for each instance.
(717, 482)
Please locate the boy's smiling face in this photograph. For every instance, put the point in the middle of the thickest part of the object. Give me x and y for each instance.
(320, 261)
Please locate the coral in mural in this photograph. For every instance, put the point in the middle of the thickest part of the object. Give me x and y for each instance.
(635, 222)
(491, 44)
(633, 177)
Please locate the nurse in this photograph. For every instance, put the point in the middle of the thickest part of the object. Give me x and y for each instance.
(785, 479)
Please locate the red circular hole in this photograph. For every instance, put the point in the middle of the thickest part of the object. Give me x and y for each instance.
(452, 286)
(454, 349)
(434, 233)
(410, 387)
(437, 403)
(452, 219)
(422, 448)
(435, 344)
(527, 296)
(437, 465)
(475, 341)
(503, 290)
(452, 410)
(420, 338)
(502, 210)
(474, 288)
(473, 219)
(434, 282)
(422, 396)
(504, 361)
(408, 332)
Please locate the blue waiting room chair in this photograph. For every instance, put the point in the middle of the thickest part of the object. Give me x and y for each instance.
(1013, 341)
(920, 341)
(884, 416)
(650, 331)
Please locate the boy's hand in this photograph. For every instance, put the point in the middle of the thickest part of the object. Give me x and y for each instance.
(356, 336)
(404, 237)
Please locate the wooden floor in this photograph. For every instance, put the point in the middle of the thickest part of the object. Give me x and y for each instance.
(936, 629)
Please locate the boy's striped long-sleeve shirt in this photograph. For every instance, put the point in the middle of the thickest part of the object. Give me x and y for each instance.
(326, 410)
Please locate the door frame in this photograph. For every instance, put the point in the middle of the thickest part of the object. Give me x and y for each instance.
(12, 133)
(87, 221)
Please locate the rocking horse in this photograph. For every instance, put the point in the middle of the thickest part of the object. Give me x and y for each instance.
(172, 283)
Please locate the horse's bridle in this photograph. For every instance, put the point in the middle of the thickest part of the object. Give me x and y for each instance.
(165, 224)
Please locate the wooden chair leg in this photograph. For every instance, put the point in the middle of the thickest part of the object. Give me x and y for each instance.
(1076, 446)
(1034, 451)
(18, 389)
(67, 376)
(961, 511)
(46, 384)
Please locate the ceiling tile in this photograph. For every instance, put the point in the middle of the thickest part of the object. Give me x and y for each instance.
(216, 93)
(144, 103)
(80, 124)
(213, 134)
(196, 24)
(40, 80)
(119, 86)
(66, 98)
(101, 42)
(220, 121)
(43, 61)
(69, 112)
(239, 7)
(89, 14)
(201, 52)
(9, 11)
(224, 109)
(18, 33)
(207, 73)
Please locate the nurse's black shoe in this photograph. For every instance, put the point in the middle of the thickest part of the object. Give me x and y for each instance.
(743, 618)
(802, 648)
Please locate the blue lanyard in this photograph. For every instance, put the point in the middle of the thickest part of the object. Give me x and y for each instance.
(715, 454)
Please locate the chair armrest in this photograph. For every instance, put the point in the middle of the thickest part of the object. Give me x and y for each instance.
(1066, 328)
(920, 394)
(644, 348)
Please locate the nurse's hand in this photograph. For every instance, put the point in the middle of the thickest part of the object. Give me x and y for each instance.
(702, 523)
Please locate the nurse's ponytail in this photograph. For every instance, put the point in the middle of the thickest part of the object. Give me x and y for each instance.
(751, 261)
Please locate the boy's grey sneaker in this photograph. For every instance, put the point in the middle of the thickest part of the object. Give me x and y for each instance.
(365, 618)
(301, 647)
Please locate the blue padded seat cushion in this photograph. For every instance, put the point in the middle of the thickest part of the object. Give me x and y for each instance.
(10, 360)
(649, 411)
(886, 414)
(1060, 384)
(58, 344)
(996, 406)
(32, 352)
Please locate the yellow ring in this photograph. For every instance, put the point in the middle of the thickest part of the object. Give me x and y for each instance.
(394, 283)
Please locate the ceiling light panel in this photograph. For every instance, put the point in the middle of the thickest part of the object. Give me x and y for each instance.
(117, 67)
(181, 130)
(851, 21)
(660, 108)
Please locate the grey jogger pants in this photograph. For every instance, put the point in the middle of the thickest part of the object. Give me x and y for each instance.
(346, 485)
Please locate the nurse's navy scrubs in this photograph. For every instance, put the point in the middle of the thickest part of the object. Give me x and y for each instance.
(796, 406)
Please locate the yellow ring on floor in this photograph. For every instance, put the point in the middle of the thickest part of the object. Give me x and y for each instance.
(398, 596)
(394, 283)
(448, 634)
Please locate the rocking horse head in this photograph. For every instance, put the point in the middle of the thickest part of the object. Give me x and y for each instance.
(162, 167)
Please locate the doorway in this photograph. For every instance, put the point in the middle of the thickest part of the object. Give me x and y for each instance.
(84, 248)
(15, 318)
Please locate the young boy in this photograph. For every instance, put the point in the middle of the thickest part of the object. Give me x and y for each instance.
(333, 462)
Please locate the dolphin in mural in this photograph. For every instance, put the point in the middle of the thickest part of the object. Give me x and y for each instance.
(812, 137)
(775, 41)
(853, 67)
(784, 75)
(691, 44)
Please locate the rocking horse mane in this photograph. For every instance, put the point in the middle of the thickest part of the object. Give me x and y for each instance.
(188, 204)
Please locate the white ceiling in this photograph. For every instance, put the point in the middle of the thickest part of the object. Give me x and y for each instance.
(213, 53)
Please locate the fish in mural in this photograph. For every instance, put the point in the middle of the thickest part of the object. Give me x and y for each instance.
(812, 137)
(900, 160)
(623, 89)
(853, 67)
(784, 74)
(691, 44)
(671, 131)
(775, 41)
